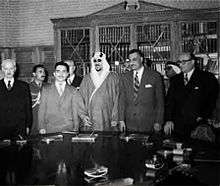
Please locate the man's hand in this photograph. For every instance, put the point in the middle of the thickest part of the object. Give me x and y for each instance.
(42, 131)
(87, 122)
(198, 119)
(157, 127)
(122, 126)
(168, 127)
(114, 123)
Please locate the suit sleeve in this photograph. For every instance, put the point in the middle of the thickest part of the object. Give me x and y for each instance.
(211, 93)
(42, 109)
(121, 102)
(169, 102)
(28, 109)
(159, 105)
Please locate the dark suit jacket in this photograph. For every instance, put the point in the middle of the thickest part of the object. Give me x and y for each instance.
(148, 108)
(186, 103)
(15, 109)
(76, 81)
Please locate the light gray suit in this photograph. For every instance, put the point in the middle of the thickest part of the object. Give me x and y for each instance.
(58, 113)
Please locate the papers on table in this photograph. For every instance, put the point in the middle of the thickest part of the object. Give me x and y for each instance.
(52, 138)
(137, 137)
(85, 138)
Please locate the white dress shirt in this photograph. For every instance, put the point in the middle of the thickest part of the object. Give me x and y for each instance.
(140, 73)
(11, 82)
(189, 74)
(60, 87)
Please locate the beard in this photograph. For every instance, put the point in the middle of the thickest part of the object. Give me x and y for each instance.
(98, 68)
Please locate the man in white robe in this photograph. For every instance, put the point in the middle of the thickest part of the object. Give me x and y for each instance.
(99, 90)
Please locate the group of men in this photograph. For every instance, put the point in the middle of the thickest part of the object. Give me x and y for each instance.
(105, 101)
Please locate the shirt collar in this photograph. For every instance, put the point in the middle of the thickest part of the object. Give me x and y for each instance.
(139, 71)
(6, 80)
(189, 74)
(60, 83)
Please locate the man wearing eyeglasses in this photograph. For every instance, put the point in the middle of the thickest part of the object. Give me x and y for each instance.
(191, 98)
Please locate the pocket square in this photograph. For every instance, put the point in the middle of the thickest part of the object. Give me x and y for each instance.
(148, 86)
(196, 88)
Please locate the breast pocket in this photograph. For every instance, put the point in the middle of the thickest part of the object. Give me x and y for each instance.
(147, 94)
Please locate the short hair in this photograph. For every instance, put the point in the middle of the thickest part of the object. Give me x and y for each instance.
(36, 67)
(9, 60)
(62, 64)
(192, 56)
(136, 51)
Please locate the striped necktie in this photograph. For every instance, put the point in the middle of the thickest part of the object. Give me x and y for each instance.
(136, 85)
(186, 79)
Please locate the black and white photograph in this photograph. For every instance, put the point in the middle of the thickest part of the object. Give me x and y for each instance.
(110, 92)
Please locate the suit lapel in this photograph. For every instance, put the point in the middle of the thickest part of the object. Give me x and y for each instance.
(65, 92)
(3, 84)
(193, 79)
(55, 91)
(143, 80)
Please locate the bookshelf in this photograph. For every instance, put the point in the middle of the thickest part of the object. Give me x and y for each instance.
(161, 33)
(154, 41)
(75, 45)
(115, 41)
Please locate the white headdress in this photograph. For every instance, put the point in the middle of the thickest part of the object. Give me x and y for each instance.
(99, 77)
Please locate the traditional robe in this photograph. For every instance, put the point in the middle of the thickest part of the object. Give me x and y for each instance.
(101, 104)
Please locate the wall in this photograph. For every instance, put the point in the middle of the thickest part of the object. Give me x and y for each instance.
(28, 21)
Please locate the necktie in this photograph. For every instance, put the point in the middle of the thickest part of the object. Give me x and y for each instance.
(60, 89)
(185, 79)
(136, 85)
(9, 85)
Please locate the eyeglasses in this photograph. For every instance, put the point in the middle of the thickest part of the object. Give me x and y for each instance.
(97, 60)
(183, 62)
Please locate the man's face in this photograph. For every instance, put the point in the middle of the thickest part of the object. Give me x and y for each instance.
(186, 63)
(60, 73)
(98, 64)
(9, 69)
(135, 61)
(72, 67)
(39, 74)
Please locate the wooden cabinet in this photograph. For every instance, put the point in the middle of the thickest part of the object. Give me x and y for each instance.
(162, 33)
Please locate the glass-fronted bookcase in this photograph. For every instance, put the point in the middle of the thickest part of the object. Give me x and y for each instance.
(161, 33)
